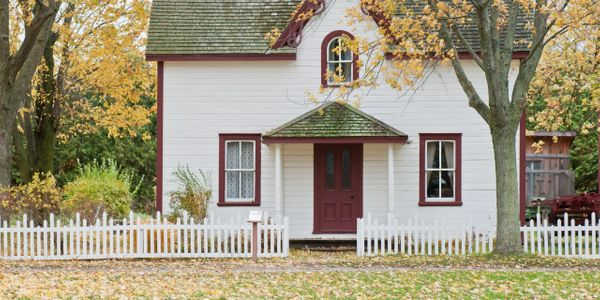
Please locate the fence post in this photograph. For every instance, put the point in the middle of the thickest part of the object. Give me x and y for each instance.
(359, 241)
(286, 236)
(254, 240)
(25, 244)
(139, 249)
(594, 228)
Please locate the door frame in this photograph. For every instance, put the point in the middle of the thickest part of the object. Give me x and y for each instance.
(316, 220)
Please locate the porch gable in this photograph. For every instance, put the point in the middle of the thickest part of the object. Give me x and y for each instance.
(335, 122)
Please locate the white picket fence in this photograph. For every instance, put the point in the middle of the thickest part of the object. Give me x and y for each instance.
(562, 239)
(417, 238)
(131, 238)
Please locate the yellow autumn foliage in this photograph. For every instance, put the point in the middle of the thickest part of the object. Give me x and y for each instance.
(101, 72)
(568, 77)
(37, 199)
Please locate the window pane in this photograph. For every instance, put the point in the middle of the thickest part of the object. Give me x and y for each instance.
(331, 72)
(433, 185)
(232, 181)
(448, 184)
(433, 155)
(346, 169)
(448, 155)
(333, 50)
(247, 155)
(248, 185)
(330, 170)
(346, 71)
(346, 53)
(233, 155)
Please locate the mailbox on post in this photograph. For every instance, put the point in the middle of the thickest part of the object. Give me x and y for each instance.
(255, 217)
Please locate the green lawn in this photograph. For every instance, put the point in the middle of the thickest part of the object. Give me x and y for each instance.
(306, 275)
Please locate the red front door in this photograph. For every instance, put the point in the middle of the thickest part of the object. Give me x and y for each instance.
(338, 187)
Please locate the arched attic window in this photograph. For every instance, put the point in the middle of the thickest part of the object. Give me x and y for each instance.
(338, 63)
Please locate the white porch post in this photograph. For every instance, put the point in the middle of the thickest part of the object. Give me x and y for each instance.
(391, 181)
(278, 181)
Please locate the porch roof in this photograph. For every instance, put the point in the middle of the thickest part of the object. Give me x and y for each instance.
(335, 122)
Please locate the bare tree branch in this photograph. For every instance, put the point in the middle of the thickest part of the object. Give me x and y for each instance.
(511, 27)
(475, 100)
(483, 24)
(529, 64)
(462, 39)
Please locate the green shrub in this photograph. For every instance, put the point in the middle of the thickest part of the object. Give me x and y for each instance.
(135, 154)
(37, 199)
(100, 187)
(193, 193)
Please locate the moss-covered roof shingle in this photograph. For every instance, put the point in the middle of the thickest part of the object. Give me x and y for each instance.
(239, 26)
(216, 26)
(470, 31)
(334, 120)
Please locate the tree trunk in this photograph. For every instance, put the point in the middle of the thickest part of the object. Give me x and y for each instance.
(46, 145)
(6, 138)
(35, 144)
(507, 193)
(17, 70)
(21, 157)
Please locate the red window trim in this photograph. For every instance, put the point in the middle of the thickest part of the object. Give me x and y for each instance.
(223, 137)
(324, 45)
(457, 138)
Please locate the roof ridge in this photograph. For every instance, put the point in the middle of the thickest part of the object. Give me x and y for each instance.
(339, 121)
(298, 118)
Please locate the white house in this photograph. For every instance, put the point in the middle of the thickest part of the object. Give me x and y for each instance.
(231, 106)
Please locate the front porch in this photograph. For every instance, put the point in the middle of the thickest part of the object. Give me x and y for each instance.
(332, 165)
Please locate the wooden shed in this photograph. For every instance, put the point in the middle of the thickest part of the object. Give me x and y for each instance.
(548, 172)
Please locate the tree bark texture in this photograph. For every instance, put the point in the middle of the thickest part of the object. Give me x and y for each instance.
(17, 71)
(507, 191)
(35, 144)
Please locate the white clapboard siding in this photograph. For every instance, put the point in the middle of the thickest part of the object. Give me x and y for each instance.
(419, 238)
(131, 238)
(563, 239)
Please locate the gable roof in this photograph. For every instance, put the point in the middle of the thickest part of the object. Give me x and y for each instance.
(470, 30)
(183, 27)
(238, 27)
(335, 120)
(289, 36)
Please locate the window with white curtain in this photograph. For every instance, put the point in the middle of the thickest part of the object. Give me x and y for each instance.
(440, 170)
(240, 170)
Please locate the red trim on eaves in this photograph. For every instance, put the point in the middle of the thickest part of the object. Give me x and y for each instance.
(457, 137)
(221, 57)
(515, 55)
(291, 36)
(468, 55)
(336, 140)
(159, 135)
